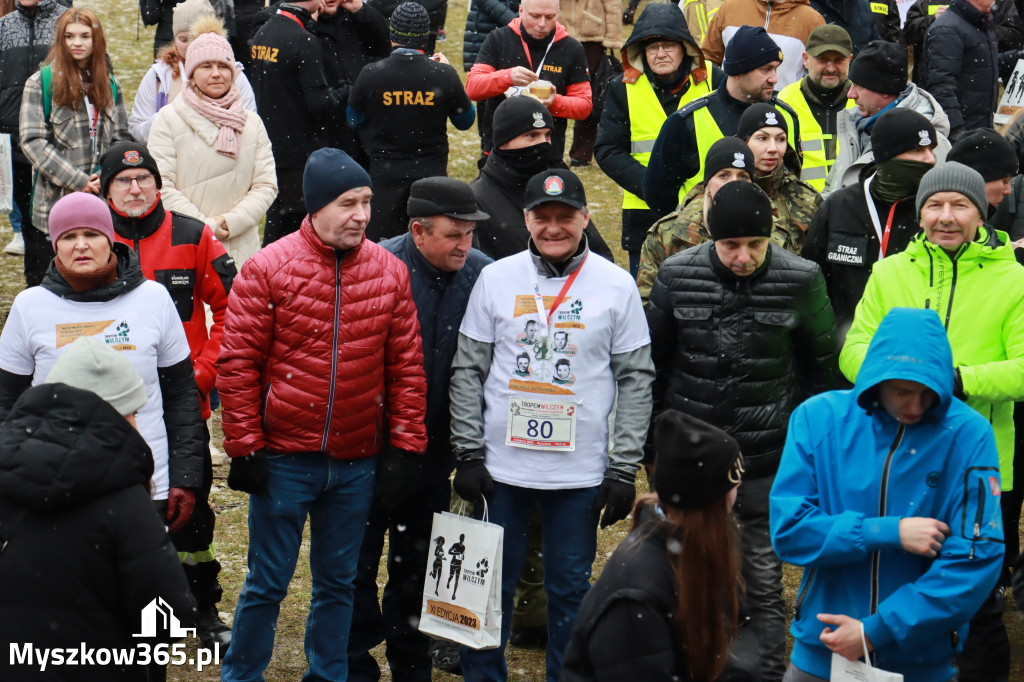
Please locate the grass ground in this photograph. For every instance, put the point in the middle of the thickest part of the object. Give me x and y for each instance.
(130, 47)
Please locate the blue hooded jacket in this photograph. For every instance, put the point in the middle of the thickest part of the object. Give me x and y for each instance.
(850, 473)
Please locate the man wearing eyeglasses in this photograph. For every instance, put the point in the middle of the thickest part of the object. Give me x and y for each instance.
(182, 254)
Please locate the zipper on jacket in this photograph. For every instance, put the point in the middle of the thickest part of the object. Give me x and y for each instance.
(979, 516)
(803, 594)
(882, 498)
(138, 252)
(952, 290)
(334, 349)
(768, 15)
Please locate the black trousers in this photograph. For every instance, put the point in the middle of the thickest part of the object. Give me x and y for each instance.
(38, 249)
(396, 617)
(388, 216)
(286, 213)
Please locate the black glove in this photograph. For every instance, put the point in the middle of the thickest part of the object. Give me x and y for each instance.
(628, 14)
(616, 498)
(473, 481)
(249, 474)
(399, 474)
(958, 385)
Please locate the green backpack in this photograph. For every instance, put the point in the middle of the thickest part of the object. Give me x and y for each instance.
(46, 76)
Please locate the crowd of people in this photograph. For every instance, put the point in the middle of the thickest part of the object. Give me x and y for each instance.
(815, 349)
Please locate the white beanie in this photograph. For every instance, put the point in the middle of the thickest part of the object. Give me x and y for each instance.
(92, 365)
(187, 12)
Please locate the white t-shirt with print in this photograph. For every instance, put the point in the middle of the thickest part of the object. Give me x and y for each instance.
(601, 315)
(143, 324)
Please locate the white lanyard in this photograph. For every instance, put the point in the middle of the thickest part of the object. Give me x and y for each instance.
(873, 212)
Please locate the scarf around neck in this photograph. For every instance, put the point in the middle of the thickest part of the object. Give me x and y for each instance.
(226, 112)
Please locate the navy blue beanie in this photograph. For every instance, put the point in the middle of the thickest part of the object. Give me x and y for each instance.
(330, 173)
(751, 47)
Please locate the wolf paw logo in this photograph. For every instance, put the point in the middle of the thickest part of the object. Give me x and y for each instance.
(576, 307)
(122, 330)
(482, 567)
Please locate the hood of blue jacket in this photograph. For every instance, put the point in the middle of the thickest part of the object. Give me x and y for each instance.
(910, 344)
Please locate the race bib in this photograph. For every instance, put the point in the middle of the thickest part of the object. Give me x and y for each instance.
(541, 424)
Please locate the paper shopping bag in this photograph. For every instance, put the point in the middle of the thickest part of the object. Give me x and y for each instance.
(462, 590)
(6, 174)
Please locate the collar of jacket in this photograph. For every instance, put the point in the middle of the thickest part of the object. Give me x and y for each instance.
(773, 182)
(730, 277)
(987, 244)
(548, 269)
(139, 228)
(818, 97)
(972, 14)
(302, 15)
(317, 245)
(431, 276)
(129, 276)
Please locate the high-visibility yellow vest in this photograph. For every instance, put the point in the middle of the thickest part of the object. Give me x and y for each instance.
(812, 139)
(703, 17)
(646, 116)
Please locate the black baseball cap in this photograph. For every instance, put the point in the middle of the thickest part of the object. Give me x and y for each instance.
(443, 196)
(556, 184)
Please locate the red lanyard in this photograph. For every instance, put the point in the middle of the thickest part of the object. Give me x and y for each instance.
(565, 289)
(888, 227)
(292, 17)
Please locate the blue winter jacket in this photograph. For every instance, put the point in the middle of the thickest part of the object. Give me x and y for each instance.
(850, 472)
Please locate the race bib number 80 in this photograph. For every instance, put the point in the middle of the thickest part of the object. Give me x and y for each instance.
(541, 424)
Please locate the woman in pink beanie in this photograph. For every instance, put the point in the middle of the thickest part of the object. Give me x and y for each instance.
(214, 155)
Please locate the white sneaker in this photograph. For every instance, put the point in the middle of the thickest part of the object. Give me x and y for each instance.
(17, 245)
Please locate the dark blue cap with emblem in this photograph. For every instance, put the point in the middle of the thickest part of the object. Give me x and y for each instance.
(557, 184)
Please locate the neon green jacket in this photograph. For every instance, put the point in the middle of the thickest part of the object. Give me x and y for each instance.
(979, 294)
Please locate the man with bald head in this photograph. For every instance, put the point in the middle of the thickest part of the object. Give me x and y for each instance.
(533, 47)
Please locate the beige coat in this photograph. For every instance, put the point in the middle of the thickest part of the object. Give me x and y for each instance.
(593, 21)
(200, 182)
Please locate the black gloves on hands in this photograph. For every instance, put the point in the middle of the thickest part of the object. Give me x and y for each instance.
(616, 498)
(472, 480)
(398, 476)
(958, 385)
(249, 474)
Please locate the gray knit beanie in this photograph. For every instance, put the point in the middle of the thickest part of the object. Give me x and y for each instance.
(953, 177)
(92, 365)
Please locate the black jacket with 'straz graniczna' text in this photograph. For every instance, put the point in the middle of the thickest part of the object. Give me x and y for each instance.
(293, 96)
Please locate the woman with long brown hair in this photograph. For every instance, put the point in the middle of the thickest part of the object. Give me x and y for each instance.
(667, 605)
(71, 112)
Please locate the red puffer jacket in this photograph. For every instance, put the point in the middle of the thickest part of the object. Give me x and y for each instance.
(321, 352)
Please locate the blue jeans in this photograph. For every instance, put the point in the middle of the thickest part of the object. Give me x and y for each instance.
(336, 495)
(570, 545)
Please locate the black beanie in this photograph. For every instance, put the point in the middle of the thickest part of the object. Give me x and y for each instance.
(880, 67)
(740, 209)
(517, 115)
(987, 152)
(329, 173)
(410, 25)
(900, 130)
(750, 47)
(729, 152)
(121, 157)
(757, 116)
(695, 463)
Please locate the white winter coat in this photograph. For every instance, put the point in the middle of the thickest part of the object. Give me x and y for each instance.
(200, 182)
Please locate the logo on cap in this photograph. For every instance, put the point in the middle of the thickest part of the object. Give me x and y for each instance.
(925, 140)
(769, 118)
(132, 158)
(553, 185)
(738, 161)
(538, 120)
(780, 55)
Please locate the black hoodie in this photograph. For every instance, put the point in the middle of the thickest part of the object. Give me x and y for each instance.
(87, 550)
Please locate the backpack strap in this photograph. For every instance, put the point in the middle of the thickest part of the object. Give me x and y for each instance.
(46, 77)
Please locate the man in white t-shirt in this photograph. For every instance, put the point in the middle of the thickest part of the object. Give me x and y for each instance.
(523, 438)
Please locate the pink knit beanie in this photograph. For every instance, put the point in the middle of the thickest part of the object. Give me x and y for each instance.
(80, 209)
(208, 47)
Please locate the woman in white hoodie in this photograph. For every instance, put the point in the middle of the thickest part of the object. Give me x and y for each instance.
(214, 155)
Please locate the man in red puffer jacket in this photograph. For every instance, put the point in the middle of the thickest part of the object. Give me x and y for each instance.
(321, 378)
